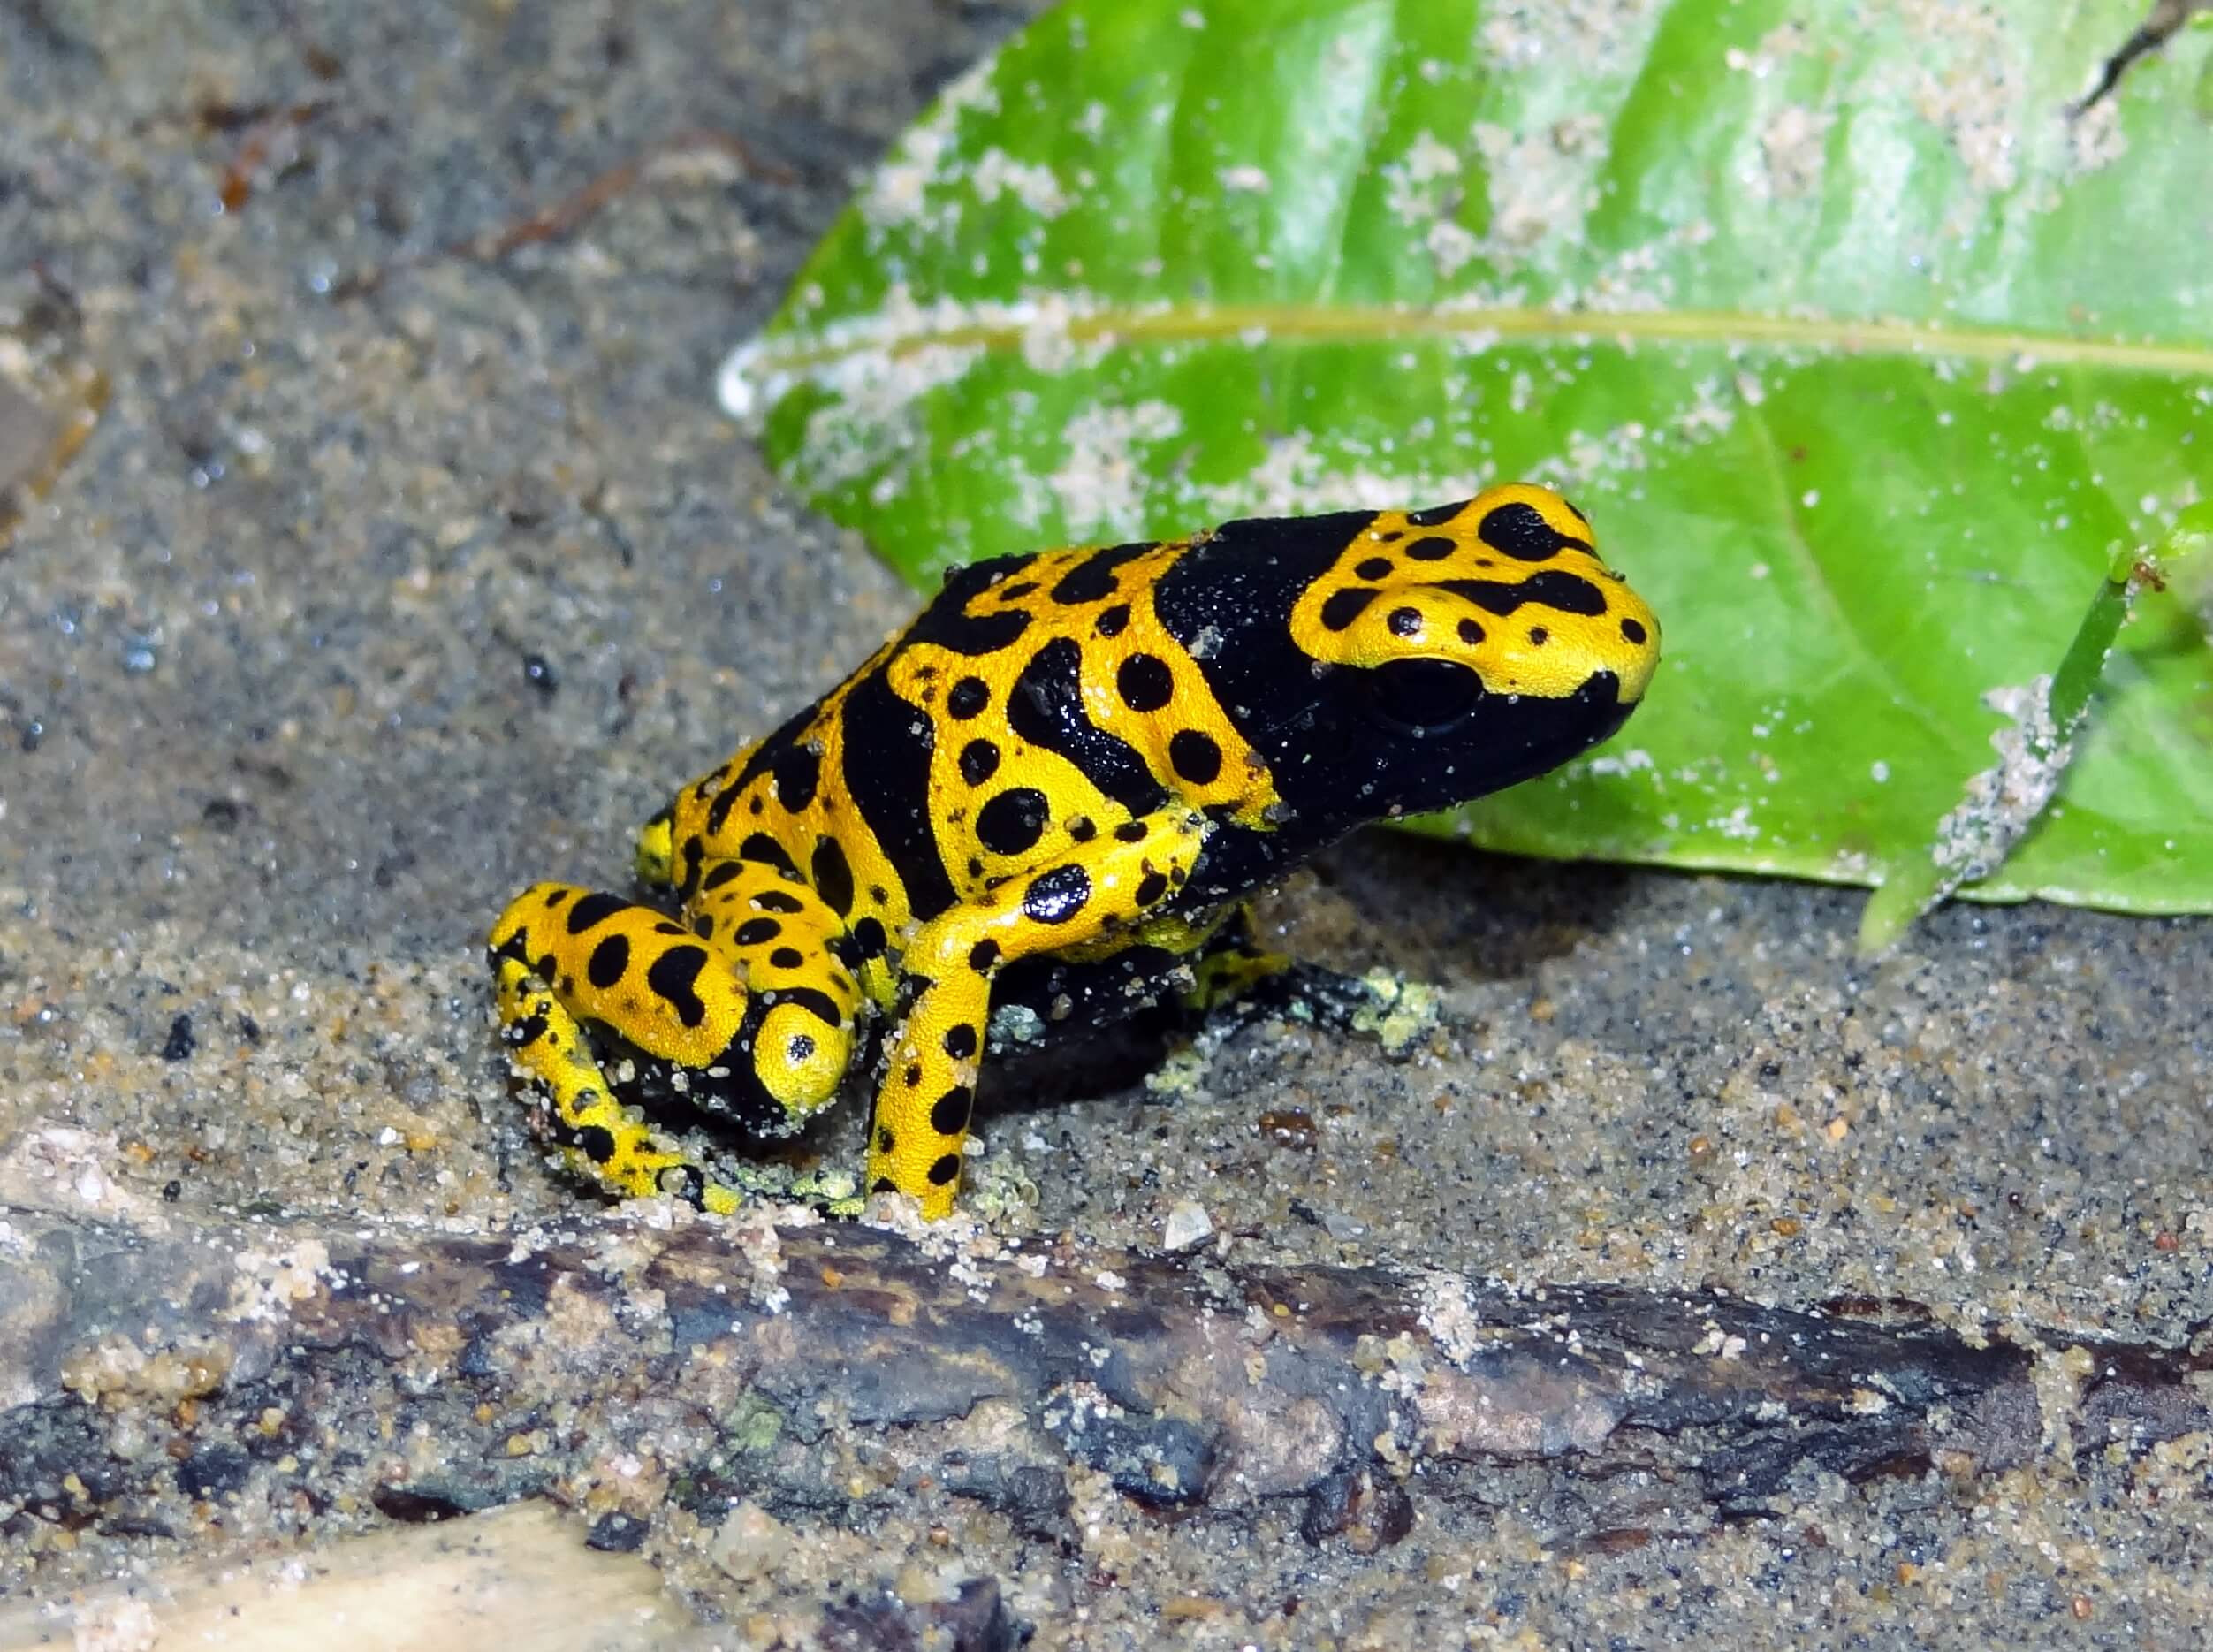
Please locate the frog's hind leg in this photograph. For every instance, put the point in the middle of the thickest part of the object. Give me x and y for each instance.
(808, 970)
(1239, 981)
(1229, 962)
(564, 957)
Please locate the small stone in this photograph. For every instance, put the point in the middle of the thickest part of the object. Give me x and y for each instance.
(180, 1042)
(1188, 1224)
(615, 1532)
(751, 1546)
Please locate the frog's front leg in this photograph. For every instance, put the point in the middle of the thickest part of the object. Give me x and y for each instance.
(928, 1083)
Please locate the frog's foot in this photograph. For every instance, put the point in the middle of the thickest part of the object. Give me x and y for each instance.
(672, 1019)
(1394, 1011)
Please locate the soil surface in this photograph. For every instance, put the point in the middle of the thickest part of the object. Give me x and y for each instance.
(393, 577)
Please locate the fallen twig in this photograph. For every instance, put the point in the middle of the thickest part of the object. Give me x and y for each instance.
(259, 1361)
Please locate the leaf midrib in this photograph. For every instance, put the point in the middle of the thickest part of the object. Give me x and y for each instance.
(800, 351)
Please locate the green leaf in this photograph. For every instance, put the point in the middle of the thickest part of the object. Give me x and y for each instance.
(2005, 800)
(1863, 356)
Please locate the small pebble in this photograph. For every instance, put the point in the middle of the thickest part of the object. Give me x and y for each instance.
(616, 1533)
(1188, 1224)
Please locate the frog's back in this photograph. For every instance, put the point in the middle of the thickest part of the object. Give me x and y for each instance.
(1036, 703)
(1041, 701)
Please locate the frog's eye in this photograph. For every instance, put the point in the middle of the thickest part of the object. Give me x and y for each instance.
(1421, 697)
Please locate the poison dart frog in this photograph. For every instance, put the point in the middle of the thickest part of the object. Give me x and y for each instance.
(1050, 797)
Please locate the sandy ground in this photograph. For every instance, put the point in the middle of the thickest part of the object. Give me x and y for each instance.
(273, 750)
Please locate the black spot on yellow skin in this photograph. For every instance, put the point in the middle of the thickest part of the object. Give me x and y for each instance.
(1012, 822)
(1145, 683)
(1094, 578)
(1057, 897)
(1110, 746)
(593, 910)
(671, 975)
(979, 761)
(949, 1113)
(798, 771)
(766, 851)
(1520, 531)
(1195, 756)
(1347, 605)
(608, 960)
(832, 875)
(1571, 593)
(1049, 710)
(888, 747)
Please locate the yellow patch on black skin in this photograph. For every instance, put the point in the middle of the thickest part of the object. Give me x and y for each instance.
(1082, 754)
(1508, 584)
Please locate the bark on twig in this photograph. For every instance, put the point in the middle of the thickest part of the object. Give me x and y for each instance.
(2161, 25)
(821, 1365)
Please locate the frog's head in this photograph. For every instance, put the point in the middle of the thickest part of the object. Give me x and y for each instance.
(1451, 652)
(1503, 591)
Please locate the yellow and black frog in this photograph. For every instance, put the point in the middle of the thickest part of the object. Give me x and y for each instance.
(1046, 803)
